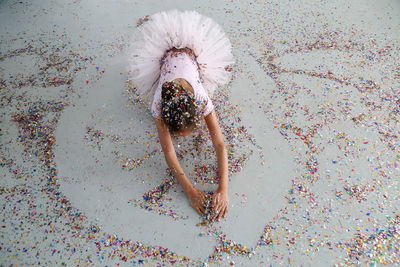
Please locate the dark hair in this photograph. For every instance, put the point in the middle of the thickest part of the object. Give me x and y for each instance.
(178, 107)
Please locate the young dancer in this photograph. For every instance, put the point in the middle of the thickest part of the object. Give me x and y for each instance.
(177, 60)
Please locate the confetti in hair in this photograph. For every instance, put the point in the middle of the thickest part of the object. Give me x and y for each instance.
(179, 109)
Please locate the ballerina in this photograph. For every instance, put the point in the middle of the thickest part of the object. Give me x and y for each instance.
(176, 63)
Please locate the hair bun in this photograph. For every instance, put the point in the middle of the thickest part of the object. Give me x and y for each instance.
(169, 90)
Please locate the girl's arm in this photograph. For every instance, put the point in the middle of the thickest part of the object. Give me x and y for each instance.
(220, 197)
(196, 197)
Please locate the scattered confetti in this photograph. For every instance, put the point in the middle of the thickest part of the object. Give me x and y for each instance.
(333, 97)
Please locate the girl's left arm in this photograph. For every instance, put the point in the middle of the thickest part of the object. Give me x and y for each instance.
(220, 201)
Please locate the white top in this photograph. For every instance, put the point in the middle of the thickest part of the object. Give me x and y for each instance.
(181, 65)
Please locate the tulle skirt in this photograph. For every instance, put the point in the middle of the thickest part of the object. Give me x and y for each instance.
(169, 29)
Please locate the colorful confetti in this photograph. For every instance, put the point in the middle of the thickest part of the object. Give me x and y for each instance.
(330, 90)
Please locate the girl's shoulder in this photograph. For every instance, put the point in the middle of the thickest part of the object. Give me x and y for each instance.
(203, 100)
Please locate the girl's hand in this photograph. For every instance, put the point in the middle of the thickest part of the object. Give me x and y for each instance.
(197, 199)
(220, 204)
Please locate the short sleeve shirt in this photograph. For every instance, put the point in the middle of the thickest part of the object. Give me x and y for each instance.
(179, 64)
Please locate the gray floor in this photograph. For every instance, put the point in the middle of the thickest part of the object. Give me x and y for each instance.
(311, 119)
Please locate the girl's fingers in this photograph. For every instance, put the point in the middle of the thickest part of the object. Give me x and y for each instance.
(217, 211)
(215, 214)
(214, 201)
(199, 211)
(220, 206)
(201, 208)
(222, 212)
(218, 218)
(225, 211)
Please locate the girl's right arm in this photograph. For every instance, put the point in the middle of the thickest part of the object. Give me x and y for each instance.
(196, 197)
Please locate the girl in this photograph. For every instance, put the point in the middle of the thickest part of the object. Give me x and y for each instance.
(176, 62)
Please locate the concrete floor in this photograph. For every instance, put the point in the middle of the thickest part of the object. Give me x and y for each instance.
(311, 120)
